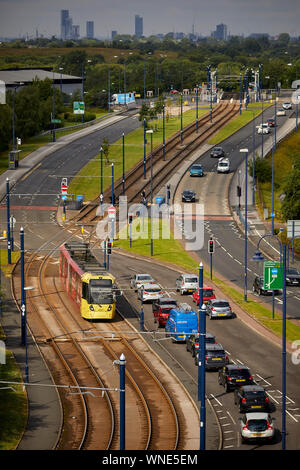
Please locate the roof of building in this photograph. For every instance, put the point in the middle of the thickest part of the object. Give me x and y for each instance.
(25, 76)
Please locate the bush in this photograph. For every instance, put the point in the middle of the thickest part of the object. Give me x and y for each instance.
(263, 170)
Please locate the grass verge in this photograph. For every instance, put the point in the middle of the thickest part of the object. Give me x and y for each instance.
(172, 252)
(237, 123)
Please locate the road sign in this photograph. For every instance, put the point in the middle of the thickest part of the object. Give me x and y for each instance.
(290, 224)
(111, 212)
(55, 121)
(273, 276)
(78, 107)
(64, 189)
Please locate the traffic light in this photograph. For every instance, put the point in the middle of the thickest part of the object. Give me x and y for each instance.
(109, 248)
(211, 246)
(130, 218)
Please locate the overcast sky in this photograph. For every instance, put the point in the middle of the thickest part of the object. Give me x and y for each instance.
(18, 17)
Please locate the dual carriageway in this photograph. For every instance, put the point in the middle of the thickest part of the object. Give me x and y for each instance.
(242, 344)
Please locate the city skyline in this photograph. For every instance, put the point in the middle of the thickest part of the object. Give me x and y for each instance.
(241, 18)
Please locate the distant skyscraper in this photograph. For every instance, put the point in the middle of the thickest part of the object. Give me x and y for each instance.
(221, 32)
(114, 33)
(90, 29)
(64, 15)
(75, 31)
(138, 26)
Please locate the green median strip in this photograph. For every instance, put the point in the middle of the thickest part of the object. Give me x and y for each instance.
(237, 123)
(87, 181)
(172, 252)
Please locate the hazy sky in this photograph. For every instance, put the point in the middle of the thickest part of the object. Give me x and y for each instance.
(18, 17)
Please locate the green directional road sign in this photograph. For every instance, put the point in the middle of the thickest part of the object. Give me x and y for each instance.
(55, 121)
(78, 107)
(273, 276)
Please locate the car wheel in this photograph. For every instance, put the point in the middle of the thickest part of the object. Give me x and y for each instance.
(226, 387)
(260, 292)
(193, 352)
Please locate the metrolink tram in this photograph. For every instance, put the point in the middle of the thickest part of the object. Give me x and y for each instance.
(91, 288)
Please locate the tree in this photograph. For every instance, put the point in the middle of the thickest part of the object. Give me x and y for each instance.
(263, 169)
(291, 205)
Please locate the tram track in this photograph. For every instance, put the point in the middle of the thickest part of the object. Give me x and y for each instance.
(60, 343)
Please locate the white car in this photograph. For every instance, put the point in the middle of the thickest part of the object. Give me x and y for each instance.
(187, 283)
(281, 112)
(258, 426)
(263, 129)
(139, 279)
(223, 165)
(150, 292)
(287, 105)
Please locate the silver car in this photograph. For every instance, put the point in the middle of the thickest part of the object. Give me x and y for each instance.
(223, 165)
(218, 308)
(187, 283)
(139, 279)
(149, 292)
(258, 426)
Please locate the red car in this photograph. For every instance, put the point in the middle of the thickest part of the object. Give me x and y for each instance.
(271, 122)
(208, 294)
(162, 314)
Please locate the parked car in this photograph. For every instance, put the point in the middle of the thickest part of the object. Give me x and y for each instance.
(182, 322)
(215, 357)
(217, 152)
(208, 294)
(234, 375)
(251, 398)
(187, 283)
(258, 426)
(287, 105)
(292, 277)
(196, 170)
(258, 286)
(138, 279)
(271, 122)
(281, 112)
(263, 129)
(218, 308)
(149, 292)
(162, 314)
(192, 343)
(223, 165)
(188, 195)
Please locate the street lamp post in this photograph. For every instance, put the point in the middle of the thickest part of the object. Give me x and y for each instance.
(123, 155)
(253, 162)
(197, 102)
(53, 110)
(245, 151)
(101, 168)
(164, 136)
(258, 257)
(112, 185)
(144, 148)
(201, 359)
(151, 192)
(8, 222)
(181, 136)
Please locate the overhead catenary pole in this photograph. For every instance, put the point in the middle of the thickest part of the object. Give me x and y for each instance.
(122, 363)
(8, 222)
(123, 155)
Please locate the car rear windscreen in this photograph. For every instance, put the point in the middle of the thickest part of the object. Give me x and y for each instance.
(191, 279)
(220, 304)
(240, 372)
(257, 425)
(208, 292)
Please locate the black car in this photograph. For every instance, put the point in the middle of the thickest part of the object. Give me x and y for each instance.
(251, 398)
(234, 375)
(292, 277)
(215, 357)
(258, 286)
(188, 195)
(192, 343)
(217, 152)
(162, 302)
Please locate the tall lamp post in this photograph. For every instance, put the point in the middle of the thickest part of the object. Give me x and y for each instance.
(150, 131)
(259, 257)
(245, 151)
(201, 360)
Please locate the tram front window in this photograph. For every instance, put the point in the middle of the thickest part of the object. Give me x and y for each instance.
(101, 292)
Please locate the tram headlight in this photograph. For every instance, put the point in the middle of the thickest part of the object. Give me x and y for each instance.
(109, 308)
(91, 308)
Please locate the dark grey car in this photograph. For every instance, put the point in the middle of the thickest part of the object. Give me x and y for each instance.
(215, 357)
(292, 277)
(217, 152)
(188, 195)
